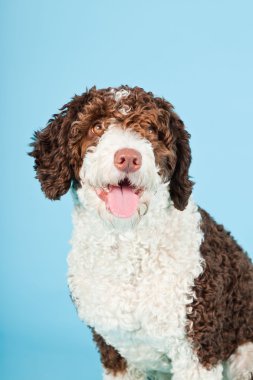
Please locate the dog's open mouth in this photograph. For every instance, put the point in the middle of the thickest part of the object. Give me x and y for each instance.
(121, 200)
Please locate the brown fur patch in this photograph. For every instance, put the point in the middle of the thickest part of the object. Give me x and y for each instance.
(222, 314)
(55, 149)
(110, 358)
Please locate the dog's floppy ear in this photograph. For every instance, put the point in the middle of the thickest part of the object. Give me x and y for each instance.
(180, 184)
(50, 149)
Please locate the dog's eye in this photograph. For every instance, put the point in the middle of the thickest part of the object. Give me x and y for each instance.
(152, 129)
(98, 129)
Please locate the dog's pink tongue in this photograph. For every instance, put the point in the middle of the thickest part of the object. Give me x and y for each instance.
(122, 201)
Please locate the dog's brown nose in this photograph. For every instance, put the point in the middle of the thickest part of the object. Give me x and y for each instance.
(127, 160)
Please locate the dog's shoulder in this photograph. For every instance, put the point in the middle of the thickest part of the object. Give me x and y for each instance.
(224, 289)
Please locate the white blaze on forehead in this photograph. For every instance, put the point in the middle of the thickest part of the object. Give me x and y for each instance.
(121, 94)
(125, 109)
(118, 95)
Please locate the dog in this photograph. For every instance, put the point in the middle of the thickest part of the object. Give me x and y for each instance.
(167, 292)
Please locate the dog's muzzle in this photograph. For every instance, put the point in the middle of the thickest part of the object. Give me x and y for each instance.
(122, 200)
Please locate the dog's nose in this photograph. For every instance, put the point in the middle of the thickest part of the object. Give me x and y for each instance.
(127, 160)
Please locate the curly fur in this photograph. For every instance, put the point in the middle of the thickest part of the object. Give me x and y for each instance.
(167, 292)
(60, 147)
(224, 296)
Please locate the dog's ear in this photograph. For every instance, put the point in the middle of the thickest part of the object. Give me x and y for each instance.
(50, 149)
(180, 184)
(178, 141)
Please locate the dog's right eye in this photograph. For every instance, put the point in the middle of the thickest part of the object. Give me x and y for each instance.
(98, 129)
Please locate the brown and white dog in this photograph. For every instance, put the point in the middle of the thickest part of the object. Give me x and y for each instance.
(167, 292)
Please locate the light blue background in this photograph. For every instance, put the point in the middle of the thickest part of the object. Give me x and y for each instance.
(197, 54)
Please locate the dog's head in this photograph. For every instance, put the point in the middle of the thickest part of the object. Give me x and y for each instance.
(116, 146)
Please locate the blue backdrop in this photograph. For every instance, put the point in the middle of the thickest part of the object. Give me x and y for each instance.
(197, 54)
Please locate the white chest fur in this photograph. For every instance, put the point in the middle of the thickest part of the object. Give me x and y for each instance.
(133, 286)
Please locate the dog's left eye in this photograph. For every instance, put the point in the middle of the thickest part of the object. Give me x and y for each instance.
(152, 129)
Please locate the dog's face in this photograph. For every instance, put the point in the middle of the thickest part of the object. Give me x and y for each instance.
(116, 147)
